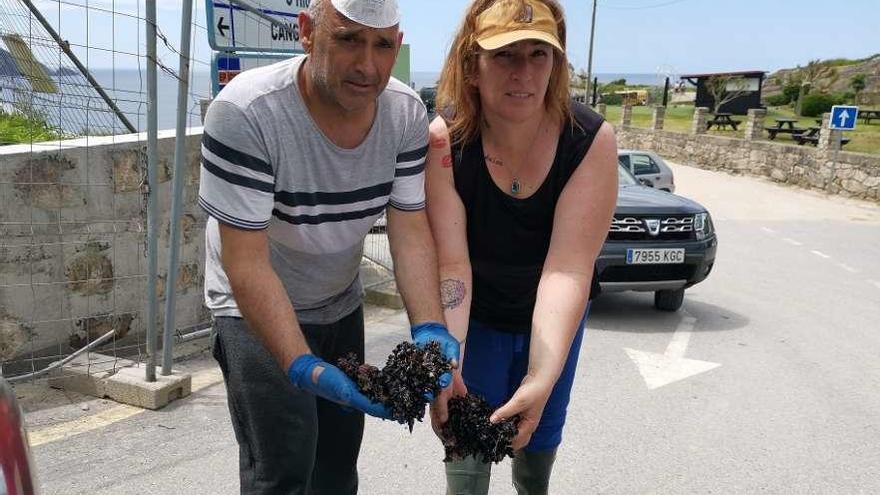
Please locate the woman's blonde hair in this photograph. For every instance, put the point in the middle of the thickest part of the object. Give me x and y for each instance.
(459, 101)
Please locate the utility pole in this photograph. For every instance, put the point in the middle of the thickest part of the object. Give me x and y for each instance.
(590, 56)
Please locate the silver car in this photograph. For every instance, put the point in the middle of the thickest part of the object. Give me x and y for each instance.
(648, 168)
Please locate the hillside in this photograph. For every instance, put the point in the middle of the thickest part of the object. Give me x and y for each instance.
(870, 67)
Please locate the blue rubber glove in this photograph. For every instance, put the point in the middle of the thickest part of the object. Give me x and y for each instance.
(333, 385)
(449, 346)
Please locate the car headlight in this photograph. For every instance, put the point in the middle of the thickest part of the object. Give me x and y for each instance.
(703, 225)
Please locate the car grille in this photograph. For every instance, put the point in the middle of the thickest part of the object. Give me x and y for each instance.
(647, 273)
(638, 228)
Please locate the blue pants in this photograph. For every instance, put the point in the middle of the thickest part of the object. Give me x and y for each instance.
(495, 364)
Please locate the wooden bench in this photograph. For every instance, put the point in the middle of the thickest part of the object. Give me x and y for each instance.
(773, 131)
(812, 136)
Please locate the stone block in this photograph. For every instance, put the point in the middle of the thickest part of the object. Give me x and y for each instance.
(120, 380)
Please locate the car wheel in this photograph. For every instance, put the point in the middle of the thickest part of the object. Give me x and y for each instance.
(668, 300)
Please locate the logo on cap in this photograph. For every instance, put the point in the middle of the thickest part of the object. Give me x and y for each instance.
(525, 16)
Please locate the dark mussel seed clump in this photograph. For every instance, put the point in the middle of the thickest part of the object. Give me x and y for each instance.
(409, 374)
(468, 431)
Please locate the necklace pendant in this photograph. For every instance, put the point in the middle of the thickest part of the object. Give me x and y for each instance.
(515, 186)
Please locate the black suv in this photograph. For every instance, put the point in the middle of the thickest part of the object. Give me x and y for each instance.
(658, 242)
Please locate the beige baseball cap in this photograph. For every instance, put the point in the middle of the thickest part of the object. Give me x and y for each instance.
(377, 14)
(509, 21)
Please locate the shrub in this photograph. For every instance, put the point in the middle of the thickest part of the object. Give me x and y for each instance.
(612, 99)
(791, 91)
(815, 104)
(777, 100)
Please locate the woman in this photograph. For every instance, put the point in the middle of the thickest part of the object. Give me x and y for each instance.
(521, 186)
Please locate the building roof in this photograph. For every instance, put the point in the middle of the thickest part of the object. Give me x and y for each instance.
(747, 73)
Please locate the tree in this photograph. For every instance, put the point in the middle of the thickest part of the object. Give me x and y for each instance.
(726, 88)
(816, 75)
(857, 83)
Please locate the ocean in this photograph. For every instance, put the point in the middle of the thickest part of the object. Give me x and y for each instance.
(128, 87)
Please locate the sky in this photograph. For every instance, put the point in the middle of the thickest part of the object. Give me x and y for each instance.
(632, 36)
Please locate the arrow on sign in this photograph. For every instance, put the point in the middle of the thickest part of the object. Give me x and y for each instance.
(222, 27)
(844, 116)
(671, 366)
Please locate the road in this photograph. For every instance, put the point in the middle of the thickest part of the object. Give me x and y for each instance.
(766, 381)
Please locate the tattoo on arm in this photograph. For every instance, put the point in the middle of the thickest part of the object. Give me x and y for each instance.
(451, 293)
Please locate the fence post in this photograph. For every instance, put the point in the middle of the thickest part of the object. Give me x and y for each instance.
(659, 117)
(626, 115)
(602, 109)
(152, 192)
(177, 196)
(755, 124)
(699, 123)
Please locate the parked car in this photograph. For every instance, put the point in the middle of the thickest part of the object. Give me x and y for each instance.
(658, 242)
(649, 168)
(16, 472)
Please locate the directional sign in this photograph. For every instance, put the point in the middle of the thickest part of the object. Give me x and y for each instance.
(844, 117)
(254, 25)
(228, 65)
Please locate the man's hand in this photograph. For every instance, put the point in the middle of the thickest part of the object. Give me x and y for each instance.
(528, 401)
(310, 373)
(449, 346)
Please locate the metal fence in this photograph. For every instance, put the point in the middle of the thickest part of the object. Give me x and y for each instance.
(76, 186)
(92, 206)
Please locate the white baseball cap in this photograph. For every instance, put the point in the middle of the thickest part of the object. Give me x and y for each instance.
(377, 14)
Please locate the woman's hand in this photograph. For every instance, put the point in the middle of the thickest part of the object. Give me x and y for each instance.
(528, 401)
(439, 409)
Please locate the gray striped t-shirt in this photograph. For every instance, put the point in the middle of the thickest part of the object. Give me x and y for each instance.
(266, 164)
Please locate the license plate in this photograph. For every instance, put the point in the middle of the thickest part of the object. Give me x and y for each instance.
(654, 256)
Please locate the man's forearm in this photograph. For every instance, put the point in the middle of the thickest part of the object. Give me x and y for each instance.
(265, 305)
(415, 265)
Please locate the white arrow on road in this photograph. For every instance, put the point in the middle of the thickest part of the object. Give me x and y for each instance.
(844, 116)
(671, 366)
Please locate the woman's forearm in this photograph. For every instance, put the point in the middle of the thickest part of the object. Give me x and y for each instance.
(562, 299)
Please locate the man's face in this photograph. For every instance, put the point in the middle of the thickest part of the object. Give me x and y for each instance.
(350, 63)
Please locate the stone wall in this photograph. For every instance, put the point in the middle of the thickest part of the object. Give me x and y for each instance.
(73, 242)
(855, 175)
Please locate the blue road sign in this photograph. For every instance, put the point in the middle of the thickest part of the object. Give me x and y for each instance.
(843, 117)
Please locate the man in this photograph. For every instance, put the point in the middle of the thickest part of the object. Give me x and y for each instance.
(298, 160)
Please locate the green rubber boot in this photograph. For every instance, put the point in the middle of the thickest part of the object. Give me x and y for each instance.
(467, 476)
(531, 471)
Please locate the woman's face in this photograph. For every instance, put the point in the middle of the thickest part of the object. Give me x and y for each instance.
(513, 79)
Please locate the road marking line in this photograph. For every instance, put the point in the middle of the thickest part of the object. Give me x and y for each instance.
(115, 414)
(792, 241)
(820, 254)
(768, 230)
(847, 268)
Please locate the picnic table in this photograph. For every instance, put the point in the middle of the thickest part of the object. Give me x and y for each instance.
(721, 120)
(784, 126)
(811, 136)
(867, 114)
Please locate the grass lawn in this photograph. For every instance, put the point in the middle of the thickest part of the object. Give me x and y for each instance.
(865, 139)
(17, 129)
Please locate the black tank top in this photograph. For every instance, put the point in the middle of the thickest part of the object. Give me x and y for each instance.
(508, 238)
